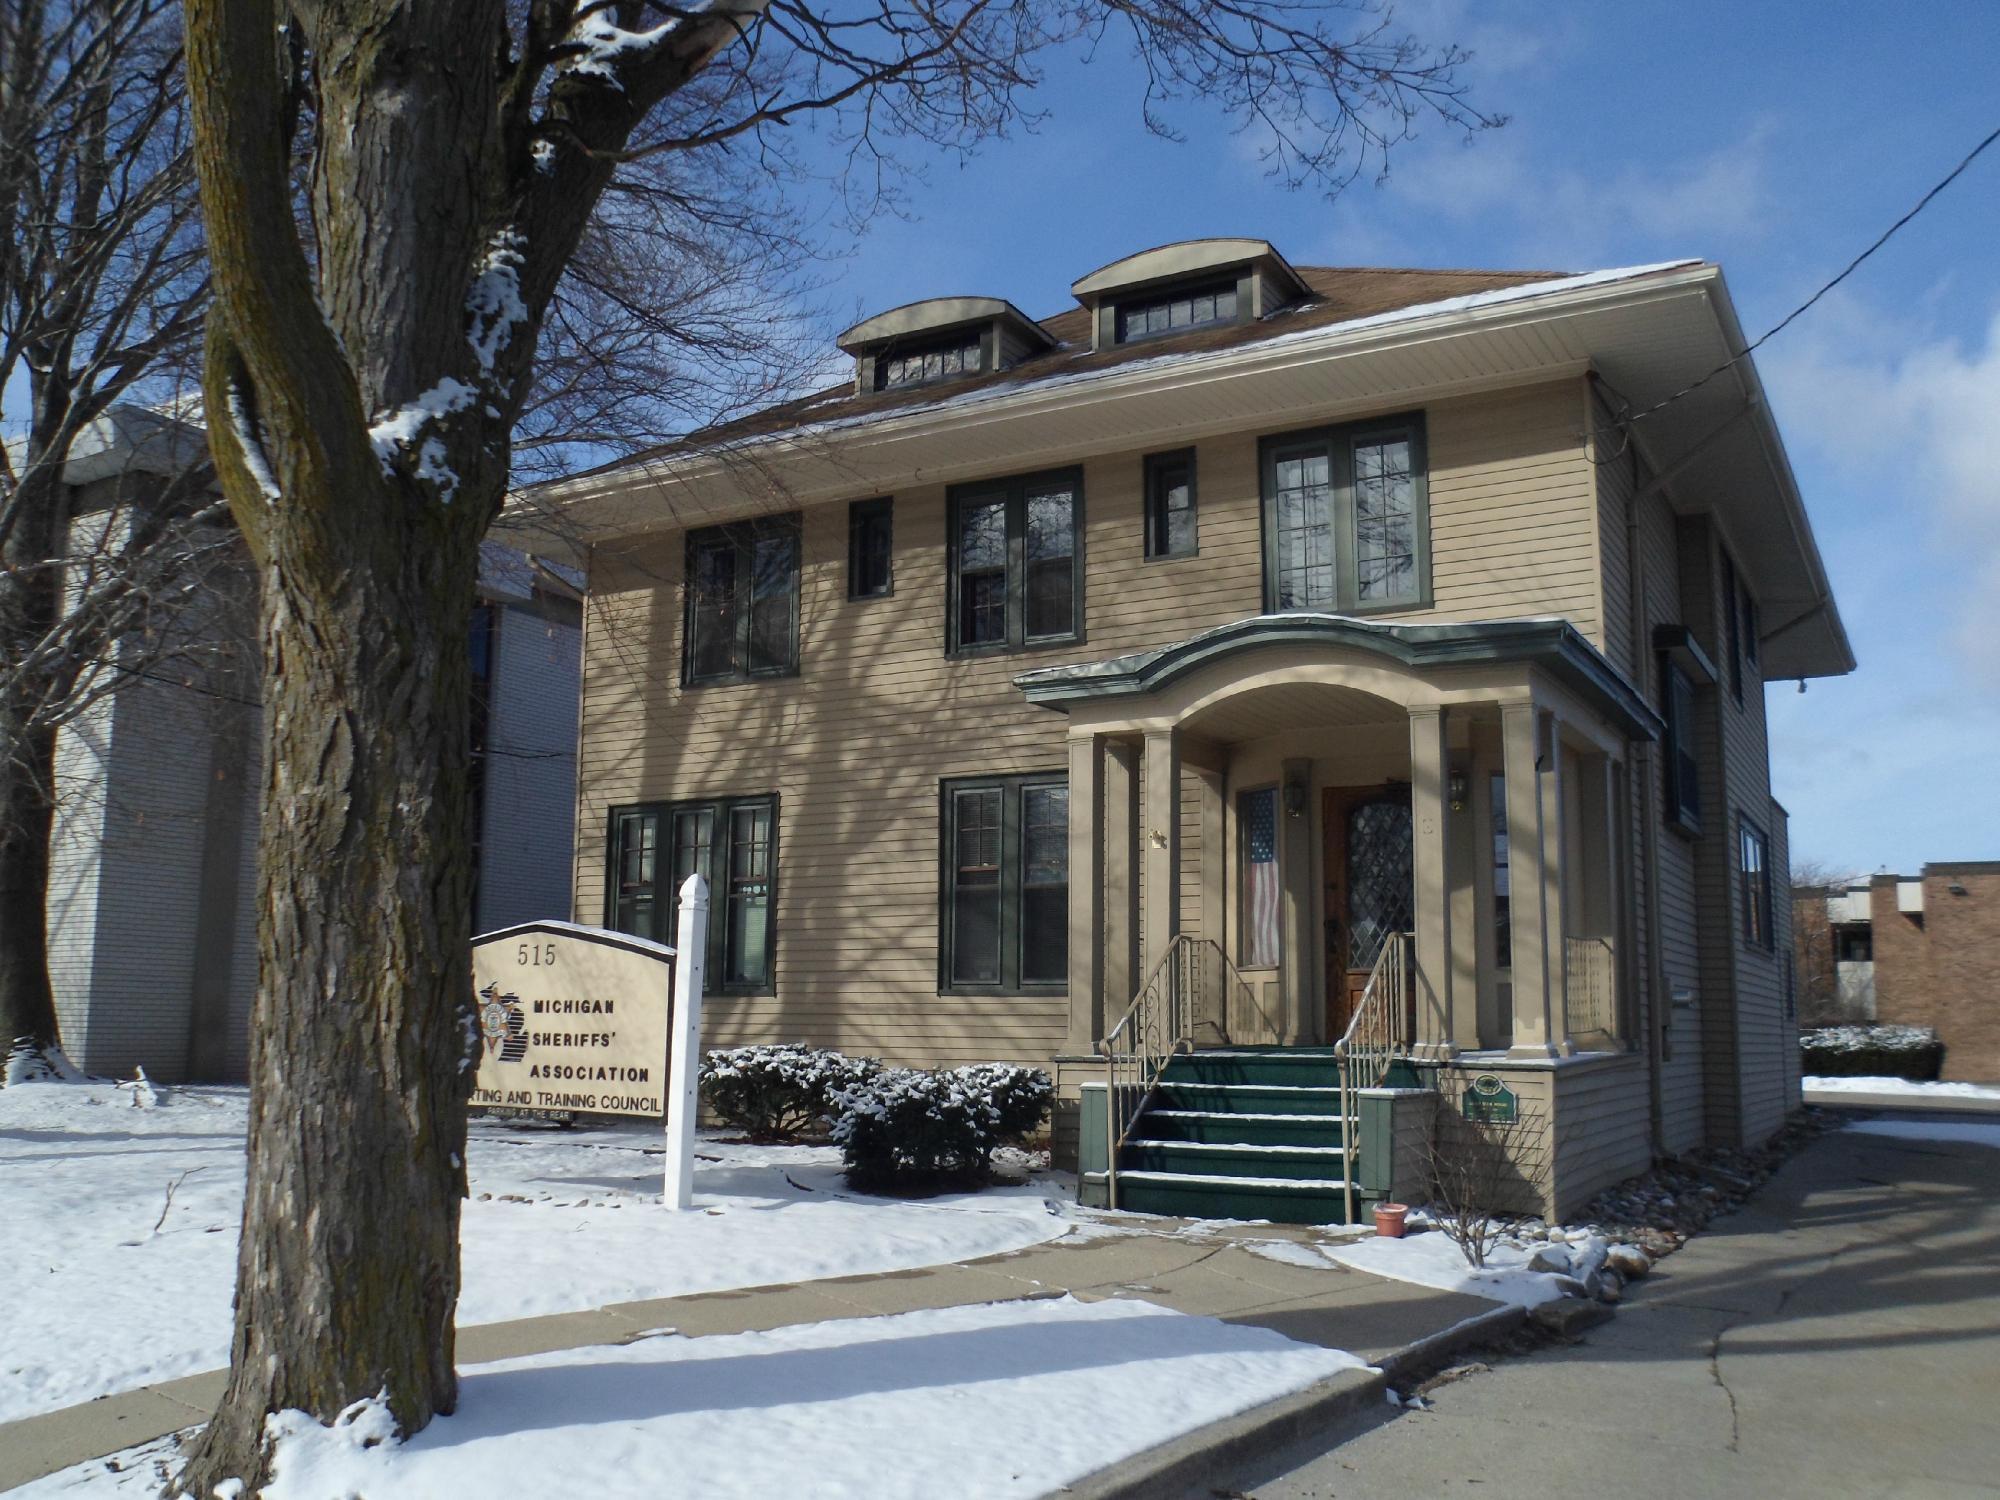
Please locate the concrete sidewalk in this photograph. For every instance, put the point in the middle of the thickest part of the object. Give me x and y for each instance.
(1200, 1269)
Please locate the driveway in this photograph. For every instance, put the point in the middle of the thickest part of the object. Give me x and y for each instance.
(1840, 1336)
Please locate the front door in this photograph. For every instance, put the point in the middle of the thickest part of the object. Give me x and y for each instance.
(1370, 888)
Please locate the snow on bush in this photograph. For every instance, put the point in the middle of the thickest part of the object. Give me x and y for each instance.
(27, 1062)
(779, 1092)
(1912, 1052)
(909, 1128)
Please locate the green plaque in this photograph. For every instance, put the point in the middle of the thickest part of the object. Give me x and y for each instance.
(1488, 1101)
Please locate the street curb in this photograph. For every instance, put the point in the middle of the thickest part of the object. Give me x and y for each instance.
(1220, 1448)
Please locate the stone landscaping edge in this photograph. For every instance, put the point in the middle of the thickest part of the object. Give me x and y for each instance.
(1221, 1448)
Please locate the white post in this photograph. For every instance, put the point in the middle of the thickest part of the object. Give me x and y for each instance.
(684, 1047)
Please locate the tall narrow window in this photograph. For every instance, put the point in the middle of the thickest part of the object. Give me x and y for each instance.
(1257, 817)
(1681, 765)
(1170, 524)
(743, 601)
(1346, 518)
(1004, 908)
(1754, 866)
(1016, 577)
(1503, 905)
(870, 549)
(730, 844)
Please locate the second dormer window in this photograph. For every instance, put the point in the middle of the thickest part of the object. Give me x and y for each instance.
(959, 355)
(1177, 311)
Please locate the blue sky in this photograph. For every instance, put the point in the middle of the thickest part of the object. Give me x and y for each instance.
(1778, 139)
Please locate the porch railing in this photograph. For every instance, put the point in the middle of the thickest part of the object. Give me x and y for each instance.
(1590, 985)
(1380, 1032)
(1193, 984)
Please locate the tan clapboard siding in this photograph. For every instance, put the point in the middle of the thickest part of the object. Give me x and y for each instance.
(855, 746)
(1600, 1128)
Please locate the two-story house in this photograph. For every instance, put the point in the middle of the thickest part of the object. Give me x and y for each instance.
(1247, 660)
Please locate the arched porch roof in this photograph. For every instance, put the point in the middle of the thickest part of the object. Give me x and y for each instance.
(1390, 658)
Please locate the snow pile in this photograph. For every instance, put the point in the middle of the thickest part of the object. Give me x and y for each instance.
(1906, 1087)
(98, 1301)
(997, 1400)
(28, 1063)
(1432, 1260)
(1907, 1051)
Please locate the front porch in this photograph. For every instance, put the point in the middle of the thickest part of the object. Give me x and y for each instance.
(1276, 821)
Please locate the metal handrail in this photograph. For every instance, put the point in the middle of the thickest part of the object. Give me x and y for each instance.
(1379, 1032)
(1157, 1027)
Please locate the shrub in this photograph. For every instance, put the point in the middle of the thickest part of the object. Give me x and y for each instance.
(908, 1129)
(1912, 1052)
(779, 1092)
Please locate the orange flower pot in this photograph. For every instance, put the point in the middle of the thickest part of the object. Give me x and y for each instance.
(1389, 1218)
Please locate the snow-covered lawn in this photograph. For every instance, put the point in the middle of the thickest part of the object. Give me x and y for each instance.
(997, 1400)
(110, 1287)
(1903, 1087)
(1976, 1132)
(1431, 1259)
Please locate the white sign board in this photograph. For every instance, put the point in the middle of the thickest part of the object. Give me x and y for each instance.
(572, 1018)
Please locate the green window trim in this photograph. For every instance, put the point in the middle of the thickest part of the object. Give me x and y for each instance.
(740, 618)
(732, 842)
(1680, 761)
(1173, 516)
(1753, 867)
(1009, 588)
(1003, 885)
(1329, 538)
(871, 549)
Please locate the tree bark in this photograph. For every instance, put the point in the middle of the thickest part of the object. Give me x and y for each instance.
(348, 1272)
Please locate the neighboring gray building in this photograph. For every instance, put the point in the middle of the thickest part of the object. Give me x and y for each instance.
(152, 926)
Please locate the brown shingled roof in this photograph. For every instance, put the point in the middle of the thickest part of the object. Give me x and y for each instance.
(1341, 294)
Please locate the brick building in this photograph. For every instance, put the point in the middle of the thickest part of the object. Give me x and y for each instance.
(1936, 952)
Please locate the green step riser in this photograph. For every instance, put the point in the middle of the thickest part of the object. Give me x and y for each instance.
(1248, 1100)
(1238, 1133)
(1138, 1156)
(1206, 1202)
(1308, 1072)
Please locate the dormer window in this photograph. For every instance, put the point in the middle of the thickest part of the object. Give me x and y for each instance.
(1182, 288)
(944, 338)
(960, 355)
(1177, 311)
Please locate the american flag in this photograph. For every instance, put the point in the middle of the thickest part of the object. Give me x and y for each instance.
(1260, 878)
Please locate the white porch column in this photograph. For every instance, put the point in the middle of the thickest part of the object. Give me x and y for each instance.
(1161, 831)
(1121, 878)
(1430, 765)
(1531, 876)
(1087, 998)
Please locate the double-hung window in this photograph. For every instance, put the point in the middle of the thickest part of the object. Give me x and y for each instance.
(1016, 563)
(1004, 903)
(871, 549)
(1170, 523)
(1681, 765)
(743, 601)
(1347, 519)
(1754, 866)
(732, 844)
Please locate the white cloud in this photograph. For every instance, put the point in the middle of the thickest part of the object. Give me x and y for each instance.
(1916, 426)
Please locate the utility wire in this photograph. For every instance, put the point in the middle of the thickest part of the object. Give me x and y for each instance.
(1627, 418)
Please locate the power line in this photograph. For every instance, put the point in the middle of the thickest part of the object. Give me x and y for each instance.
(1789, 318)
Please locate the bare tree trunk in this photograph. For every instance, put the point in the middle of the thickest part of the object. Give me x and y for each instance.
(27, 1002)
(348, 1271)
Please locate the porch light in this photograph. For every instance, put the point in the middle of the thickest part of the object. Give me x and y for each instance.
(1455, 786)
(1295, 799)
